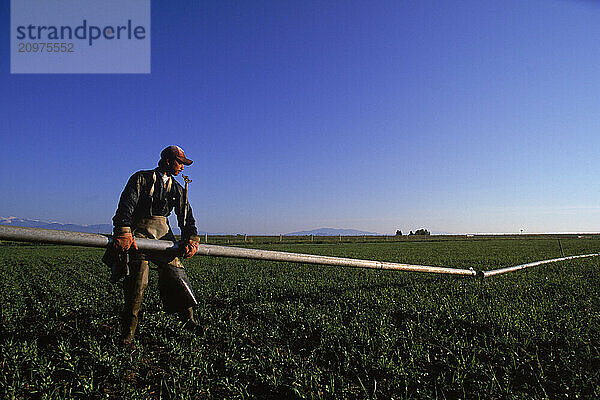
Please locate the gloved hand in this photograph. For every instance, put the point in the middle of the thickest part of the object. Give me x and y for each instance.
(123, 239)
(191, 246)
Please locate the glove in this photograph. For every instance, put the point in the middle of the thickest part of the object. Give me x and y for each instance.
(123, 240)
(191, 246)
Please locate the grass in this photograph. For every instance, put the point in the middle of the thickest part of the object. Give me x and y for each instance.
(280, 330)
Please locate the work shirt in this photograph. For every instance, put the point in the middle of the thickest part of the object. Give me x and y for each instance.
(146, 194)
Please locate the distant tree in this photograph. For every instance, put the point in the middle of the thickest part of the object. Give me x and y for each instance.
(398, 232)
(422, 232)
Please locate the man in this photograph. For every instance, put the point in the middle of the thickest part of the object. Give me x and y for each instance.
(144, 206)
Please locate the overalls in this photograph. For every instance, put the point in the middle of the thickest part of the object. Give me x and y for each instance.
(175, 290)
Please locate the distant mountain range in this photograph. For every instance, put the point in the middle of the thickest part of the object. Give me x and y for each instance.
(33, 223)
(97, 228)
(333, 232)
(107, 228)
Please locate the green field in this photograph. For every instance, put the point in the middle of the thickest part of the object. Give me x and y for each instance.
(279, 330)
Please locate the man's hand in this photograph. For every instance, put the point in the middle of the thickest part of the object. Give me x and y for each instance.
(191, 246)
(123, 239)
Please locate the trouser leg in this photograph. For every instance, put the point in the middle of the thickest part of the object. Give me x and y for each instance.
(177, 294)
(175, 289)
(133, 291)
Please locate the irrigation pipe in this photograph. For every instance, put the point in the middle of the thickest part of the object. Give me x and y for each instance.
(95, 240)
(487, 274)
(38, 235)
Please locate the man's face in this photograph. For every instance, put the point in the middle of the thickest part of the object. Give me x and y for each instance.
(175, 167)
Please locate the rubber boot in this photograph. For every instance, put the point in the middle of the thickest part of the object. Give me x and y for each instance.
(133, 292)
(189, 323)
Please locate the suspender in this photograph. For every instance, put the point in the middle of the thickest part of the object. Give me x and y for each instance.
(151, 192)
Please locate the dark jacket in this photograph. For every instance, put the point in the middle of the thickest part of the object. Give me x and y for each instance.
(136, 203)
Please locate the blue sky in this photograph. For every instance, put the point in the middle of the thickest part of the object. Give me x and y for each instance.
(471, 116)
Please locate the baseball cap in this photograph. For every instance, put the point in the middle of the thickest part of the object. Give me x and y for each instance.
(175, 152)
